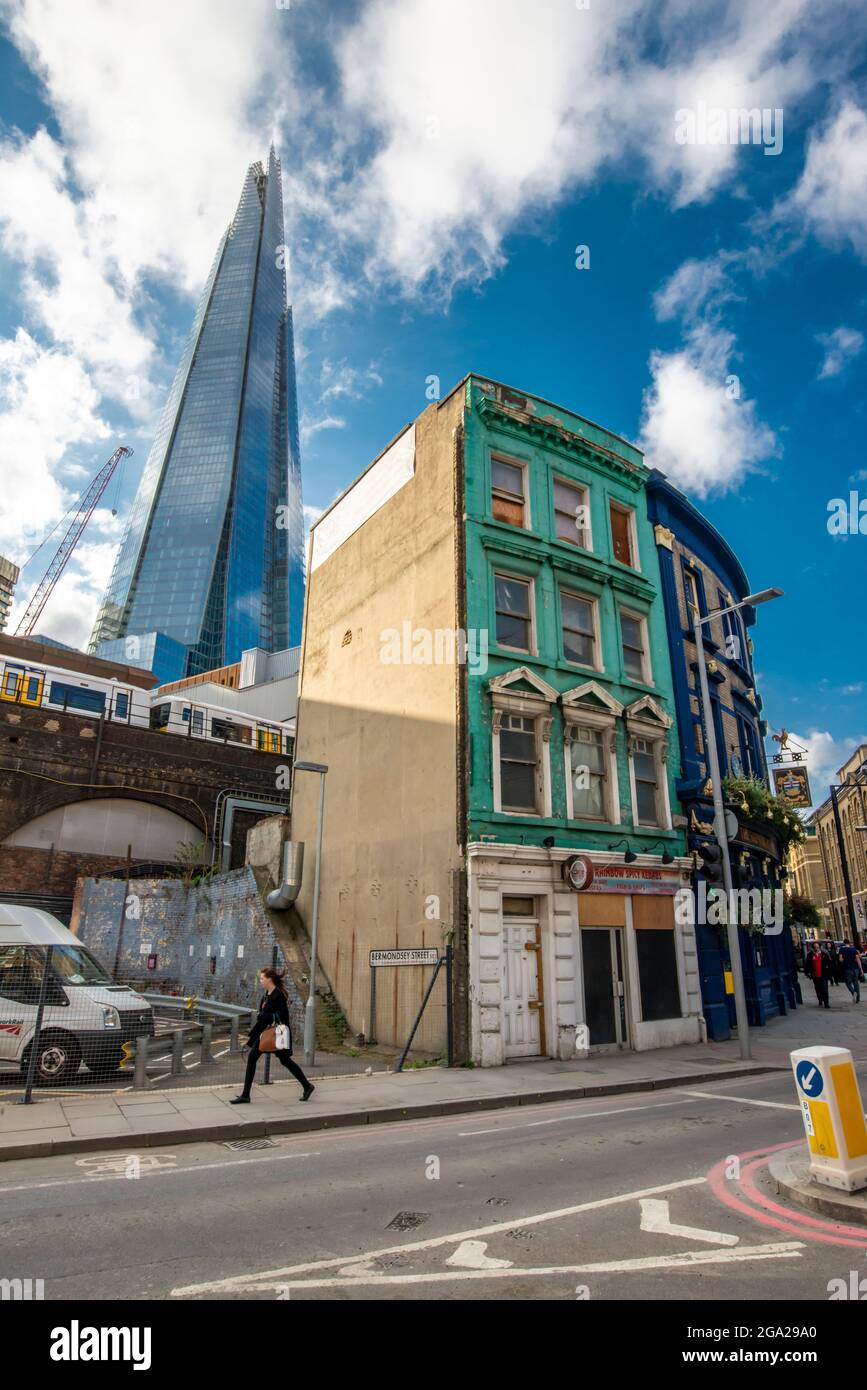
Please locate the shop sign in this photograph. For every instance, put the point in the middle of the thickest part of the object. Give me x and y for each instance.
(628, 879)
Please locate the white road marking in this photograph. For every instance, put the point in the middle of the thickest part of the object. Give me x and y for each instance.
(784, 1250)
(496, 1228)
(470, 1254)
(581, 1115)
(156, 1173)
(745, 1100)
(656, 1217)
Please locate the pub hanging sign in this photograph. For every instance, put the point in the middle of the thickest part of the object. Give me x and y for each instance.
(793, 785)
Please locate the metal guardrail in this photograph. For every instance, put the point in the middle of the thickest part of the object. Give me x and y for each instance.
(147, 1054)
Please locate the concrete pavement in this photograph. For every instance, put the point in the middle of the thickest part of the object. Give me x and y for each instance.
(76, 1123)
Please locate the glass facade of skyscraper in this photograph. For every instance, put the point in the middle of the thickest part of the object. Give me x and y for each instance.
(212, 556)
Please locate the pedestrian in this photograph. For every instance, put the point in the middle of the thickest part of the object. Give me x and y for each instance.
(839, 968)
(273, 1012)
(817, 967)
(853, 973)
(829, 951)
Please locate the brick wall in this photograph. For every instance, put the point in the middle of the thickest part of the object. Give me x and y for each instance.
(50, 759)
(26, 870)
(186, 928)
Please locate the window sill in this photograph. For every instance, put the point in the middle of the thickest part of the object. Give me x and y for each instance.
(646, 687)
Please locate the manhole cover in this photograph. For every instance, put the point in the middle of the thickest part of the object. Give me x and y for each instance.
(239, 1145)
(408, 1220)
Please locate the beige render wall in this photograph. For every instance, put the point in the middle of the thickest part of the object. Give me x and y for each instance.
(388, 735)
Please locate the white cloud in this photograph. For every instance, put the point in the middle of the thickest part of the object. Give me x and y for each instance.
(340, 379)
(825, 756)
(830, 199)
(694, 429)
(475, 134)
(309, 428)
(157, 111)
(841, 347)
(47, 404)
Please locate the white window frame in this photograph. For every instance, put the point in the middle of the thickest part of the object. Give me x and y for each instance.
(496, 456)
(645, 720)
(646, 677)
(591, 706)
(595, 665)
(617, 506)
(535, 704)
(584, 488)
(531, 585)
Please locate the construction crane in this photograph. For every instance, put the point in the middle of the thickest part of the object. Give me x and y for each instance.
(73, 535)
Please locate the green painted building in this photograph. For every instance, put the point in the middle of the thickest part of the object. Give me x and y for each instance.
(486, 673)
(572, 746)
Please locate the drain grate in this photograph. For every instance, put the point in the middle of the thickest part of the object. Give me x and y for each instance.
(408, 1220)
(241, 1145)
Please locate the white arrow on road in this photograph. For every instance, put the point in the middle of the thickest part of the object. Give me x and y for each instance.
(655, 1217)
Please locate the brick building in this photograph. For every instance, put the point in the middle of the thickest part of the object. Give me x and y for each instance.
(81, 791)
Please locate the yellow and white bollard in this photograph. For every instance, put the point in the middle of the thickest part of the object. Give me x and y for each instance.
(833, 1116)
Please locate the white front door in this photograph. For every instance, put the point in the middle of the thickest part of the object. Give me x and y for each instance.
(523, 1030)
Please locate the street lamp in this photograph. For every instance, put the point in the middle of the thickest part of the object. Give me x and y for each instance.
(310, 1010)
(698, 623)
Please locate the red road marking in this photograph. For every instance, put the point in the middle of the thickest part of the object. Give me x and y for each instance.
(771, 1213)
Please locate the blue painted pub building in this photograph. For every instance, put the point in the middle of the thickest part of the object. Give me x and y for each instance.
(699, 569)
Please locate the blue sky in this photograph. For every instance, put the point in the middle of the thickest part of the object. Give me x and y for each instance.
(442, 161)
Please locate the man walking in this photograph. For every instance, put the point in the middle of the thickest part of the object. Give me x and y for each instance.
(852, 972)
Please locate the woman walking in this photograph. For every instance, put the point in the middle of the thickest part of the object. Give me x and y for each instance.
(273, 1011)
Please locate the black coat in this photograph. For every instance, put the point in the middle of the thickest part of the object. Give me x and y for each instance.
(273, 1009)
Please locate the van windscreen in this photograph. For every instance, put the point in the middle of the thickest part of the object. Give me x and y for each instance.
(76, 966)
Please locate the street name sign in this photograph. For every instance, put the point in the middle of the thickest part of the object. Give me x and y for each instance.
(410, 955)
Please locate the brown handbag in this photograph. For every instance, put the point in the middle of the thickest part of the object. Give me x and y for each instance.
(268, 1040)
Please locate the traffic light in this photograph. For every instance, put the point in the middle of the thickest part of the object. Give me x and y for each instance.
(710, 854)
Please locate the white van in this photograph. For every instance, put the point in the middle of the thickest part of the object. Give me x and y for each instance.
(86, 1016)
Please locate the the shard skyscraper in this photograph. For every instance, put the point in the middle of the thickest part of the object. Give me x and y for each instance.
(211, 562)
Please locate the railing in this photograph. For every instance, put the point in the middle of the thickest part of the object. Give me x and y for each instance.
(151, 1054)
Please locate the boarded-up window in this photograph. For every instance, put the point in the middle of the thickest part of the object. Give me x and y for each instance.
(652, 917)
(621, 536)
(507, 492)
(601, 910)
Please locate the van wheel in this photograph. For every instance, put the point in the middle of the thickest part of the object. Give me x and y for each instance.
(57, 1060)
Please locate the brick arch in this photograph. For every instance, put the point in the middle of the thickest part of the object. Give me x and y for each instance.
(153, 837)
(53, 796)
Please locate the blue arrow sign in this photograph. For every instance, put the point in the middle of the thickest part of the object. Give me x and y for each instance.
(809, 1078)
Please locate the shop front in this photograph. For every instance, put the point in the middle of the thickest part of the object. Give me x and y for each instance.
(562, 973)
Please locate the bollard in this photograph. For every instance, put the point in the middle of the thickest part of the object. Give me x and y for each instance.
(178, 1052)
(833, 1116)
(207, 1032)
(140, 1080)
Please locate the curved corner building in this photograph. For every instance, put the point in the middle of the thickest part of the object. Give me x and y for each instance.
(211, 563)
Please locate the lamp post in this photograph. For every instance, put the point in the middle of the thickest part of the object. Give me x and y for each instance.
(698, 623)
(310, 1010)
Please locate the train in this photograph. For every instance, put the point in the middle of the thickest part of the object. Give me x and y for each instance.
(179, 713)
